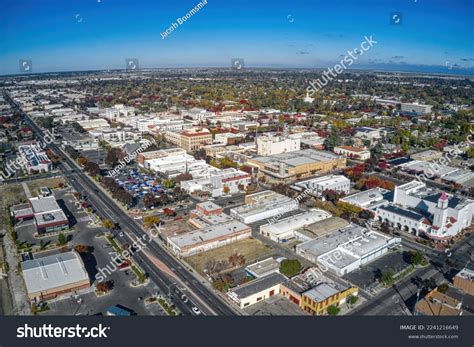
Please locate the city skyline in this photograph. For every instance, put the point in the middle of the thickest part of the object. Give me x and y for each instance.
(431, 37)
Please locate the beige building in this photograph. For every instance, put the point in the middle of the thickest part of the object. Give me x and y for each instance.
(353, 152)
(298, 164)
(464, 280)
(257, 290)
(194, 139)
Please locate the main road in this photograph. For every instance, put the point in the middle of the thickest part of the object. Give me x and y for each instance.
(199, 295)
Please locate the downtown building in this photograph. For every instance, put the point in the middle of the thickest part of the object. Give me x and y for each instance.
(218, 183)
(290, 166)
(55, 275)
(34, 158)
(263, 205)
(346, 249)
(45, 211)
(271, 144)
(214, 229)
(316, 186)
(419, 209)
(174, 161)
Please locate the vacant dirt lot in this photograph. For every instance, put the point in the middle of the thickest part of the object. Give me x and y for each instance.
(251, 249)
(52, 183)
(12, 194)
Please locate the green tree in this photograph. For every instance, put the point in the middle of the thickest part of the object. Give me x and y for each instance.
(333, 310)
(387, 277)
(62, 240)
(416, 258)
(290, 267)
(333, 140)
(352, 299)
(168, 183)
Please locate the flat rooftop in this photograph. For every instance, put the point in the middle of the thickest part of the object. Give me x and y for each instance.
(321, 292)
(467, 274)
(53, 271)
(263, 266)
(323, 180)
(323, 227)
(429, 168)
(208, 234)
(297, 158)
(44, 204)
(272, 202)
(208, 206)
(368, 198)
(296, 221)
(354, 240)
(258, 285)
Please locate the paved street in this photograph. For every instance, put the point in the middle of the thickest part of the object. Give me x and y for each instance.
(203, 297)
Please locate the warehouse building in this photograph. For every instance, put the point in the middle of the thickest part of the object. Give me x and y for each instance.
(368, 199)
(208, 238)
(54, 275)
(347, 249)
(263, 205)
(291, 166)
(284, 229)
(318, 185)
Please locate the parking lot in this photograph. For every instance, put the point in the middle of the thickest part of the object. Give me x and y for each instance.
(367, 276)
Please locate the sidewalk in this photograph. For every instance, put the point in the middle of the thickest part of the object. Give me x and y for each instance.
(21, 305)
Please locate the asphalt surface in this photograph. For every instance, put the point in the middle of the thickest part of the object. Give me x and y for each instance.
(401, 297)
(199, 295)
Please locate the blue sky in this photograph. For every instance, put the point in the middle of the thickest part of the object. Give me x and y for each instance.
(434, 35)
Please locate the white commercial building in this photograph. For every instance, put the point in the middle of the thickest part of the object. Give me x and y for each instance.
(116, 135)
(118, 111)
(444, 216)
(226, 181)
(416, 108)
(90, 124)
(347, 249)
(34, 158)
(208, 238)
(368, 199)
(284, 229)
(270, 144)
(316, 186)
(353, 152)
(174, 161)
(50, 276)
(197, 114)
(263, 205)
(370, 134)
(257, 290)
